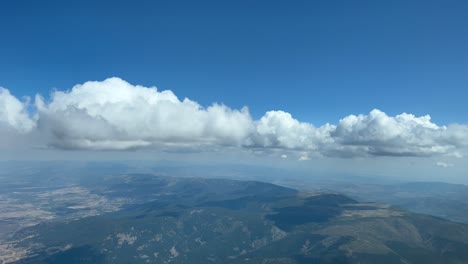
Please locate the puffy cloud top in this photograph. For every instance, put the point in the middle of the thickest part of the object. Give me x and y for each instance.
(402, 135)
(278, 129)
(13, 113)
(115, 115)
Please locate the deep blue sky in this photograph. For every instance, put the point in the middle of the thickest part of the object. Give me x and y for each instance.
(319, 60)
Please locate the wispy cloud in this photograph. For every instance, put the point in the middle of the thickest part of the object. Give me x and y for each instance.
(443, 164)
(116, 115)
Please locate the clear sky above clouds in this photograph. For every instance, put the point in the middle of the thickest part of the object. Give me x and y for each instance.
(318, 60)
(338, 79)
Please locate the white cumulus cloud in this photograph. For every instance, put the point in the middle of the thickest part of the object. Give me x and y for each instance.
(278, 129)
(13, 113)
(116, 115)
(402, 135)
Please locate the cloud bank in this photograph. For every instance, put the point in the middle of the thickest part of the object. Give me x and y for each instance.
(116, 115)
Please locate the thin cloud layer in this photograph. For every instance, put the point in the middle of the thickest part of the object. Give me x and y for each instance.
(443, 164)
(115, 115)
